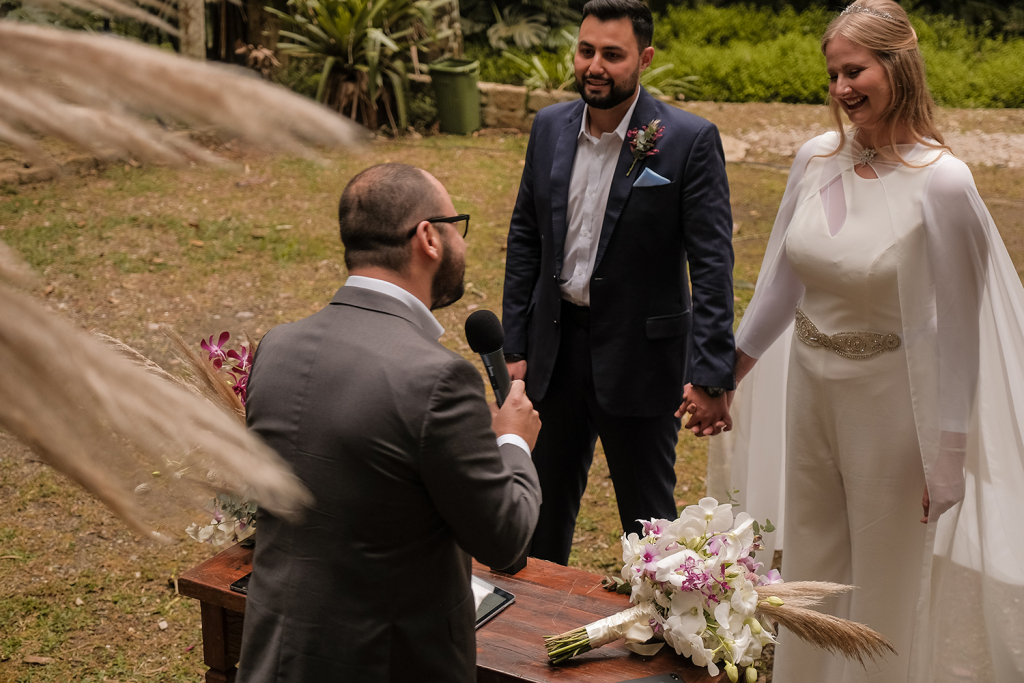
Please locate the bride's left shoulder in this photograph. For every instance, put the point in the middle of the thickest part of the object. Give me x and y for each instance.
(949, 172)
(949, 182)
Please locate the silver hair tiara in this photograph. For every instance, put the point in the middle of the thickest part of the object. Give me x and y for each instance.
(857, 9)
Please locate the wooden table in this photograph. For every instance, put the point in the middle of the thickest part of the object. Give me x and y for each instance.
(549, 599)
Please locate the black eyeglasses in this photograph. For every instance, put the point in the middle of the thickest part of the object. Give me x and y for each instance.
(450, 219)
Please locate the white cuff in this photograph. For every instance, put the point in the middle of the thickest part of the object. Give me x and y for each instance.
(515, 440)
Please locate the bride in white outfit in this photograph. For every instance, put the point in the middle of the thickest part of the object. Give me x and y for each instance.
(887, 334)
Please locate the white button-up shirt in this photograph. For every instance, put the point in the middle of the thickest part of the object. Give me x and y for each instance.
(589, 185)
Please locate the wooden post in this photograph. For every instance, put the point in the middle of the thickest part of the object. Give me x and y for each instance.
(192, 24)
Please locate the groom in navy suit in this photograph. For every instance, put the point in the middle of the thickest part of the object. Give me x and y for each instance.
(597, 310)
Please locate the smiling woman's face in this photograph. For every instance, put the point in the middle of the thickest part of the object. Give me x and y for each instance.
(858, 81)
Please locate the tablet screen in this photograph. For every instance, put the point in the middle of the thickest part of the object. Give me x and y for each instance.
(489, 600)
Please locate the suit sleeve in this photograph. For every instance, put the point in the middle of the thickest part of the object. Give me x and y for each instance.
(489, 497)
(707, 234)
(522, 259)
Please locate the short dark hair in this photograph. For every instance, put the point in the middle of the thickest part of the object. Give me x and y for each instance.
(376, 211)
(637, 12)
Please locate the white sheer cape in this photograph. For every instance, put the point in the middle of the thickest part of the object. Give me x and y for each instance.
(963, 314)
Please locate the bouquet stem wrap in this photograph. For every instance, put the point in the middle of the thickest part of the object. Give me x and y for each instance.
(632, 624)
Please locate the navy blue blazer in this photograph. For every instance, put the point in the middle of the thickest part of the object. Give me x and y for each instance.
(648, 335)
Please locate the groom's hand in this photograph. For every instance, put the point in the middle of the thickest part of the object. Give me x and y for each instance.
(517, 370)
(708, 416)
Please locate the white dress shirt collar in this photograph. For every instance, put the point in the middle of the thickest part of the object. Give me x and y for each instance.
(623, 126)
(421, 315)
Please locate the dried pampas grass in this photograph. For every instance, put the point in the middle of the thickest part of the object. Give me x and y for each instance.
(141, 444)
(206, 380)
(101, 92)
(839, 636)
(131, 10)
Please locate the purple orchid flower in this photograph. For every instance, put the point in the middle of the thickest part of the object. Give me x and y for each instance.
(242, 358)
(654, 526)
(216, 351)
(751, 564)
(650, 557)
(771, 577)
(241, 387)
(716, 544)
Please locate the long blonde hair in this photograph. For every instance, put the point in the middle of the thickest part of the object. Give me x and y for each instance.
(882, 26)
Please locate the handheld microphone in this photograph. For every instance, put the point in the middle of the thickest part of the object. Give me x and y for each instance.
(485, 336)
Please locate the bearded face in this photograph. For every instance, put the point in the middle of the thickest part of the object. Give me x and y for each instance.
(448, 285)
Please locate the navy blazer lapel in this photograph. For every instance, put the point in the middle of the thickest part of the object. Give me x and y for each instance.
(622, 184)
(561, 173)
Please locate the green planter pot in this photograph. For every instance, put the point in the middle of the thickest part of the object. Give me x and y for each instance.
(458, 98)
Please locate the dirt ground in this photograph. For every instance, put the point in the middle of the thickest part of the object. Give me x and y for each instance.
(123, 249)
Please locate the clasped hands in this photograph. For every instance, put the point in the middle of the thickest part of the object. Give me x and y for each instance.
(708, 416)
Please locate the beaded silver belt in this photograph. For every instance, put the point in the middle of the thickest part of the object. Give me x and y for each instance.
(855, 345)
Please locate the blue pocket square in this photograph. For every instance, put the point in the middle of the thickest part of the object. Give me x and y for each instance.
(650, 179)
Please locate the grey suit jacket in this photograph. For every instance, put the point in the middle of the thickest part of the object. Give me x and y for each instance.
(391, 433)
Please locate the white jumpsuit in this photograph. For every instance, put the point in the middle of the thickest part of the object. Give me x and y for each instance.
(854, 469)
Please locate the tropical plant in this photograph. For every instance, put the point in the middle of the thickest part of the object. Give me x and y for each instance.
(526, 23)
(536, 76)
(366, 46)
(660, 82)
(525, 28)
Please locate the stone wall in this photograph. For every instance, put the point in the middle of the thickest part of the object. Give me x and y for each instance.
(511, 106)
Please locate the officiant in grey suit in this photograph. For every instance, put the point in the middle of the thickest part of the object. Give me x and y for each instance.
(620, 193)
(391, 433)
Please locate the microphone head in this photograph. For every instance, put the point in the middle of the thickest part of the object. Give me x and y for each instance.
(483, 332)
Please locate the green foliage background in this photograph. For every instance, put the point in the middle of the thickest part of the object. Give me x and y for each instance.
(746, 53)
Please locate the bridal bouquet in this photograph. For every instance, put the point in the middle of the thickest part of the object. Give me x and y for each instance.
(695, 586)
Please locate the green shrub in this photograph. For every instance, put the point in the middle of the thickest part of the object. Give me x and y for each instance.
(745, 54)
(495, 68)
(301, 75)
(709, 26)
(422, 106)
(749, 54)
(787, 69)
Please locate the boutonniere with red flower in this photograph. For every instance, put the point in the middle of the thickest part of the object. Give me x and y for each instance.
(643, 140)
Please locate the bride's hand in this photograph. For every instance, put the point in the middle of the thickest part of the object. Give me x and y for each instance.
(744, 364)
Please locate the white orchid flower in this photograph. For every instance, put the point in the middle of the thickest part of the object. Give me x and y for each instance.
(687, 528)
(687, 612)
(723, 615)
(642, 592)
(667, 566)
(717, 518)
(745, 648)
(744, 598)
(735, 543)
(700, 655)
(630, 548)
